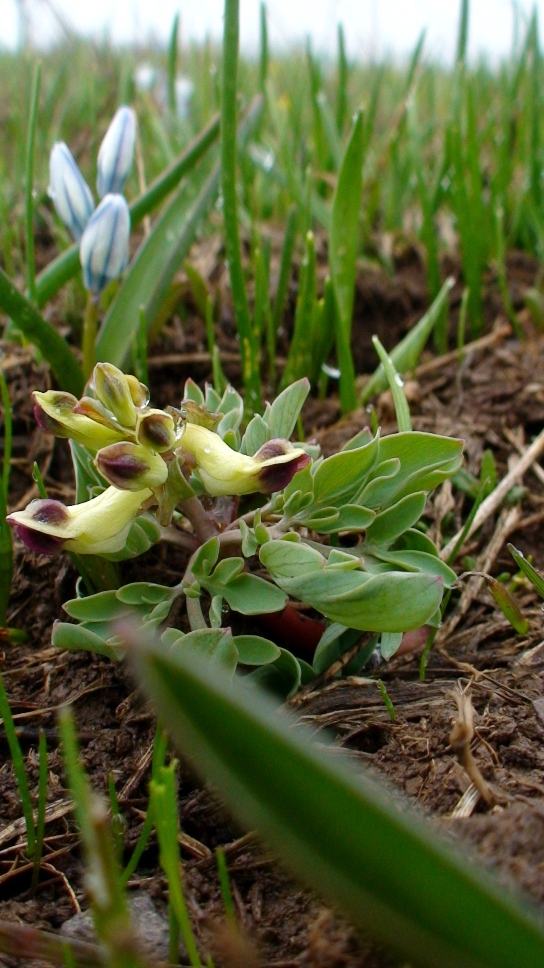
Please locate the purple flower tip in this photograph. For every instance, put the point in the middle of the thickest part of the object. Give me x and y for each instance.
(277, 476)
(38, 542)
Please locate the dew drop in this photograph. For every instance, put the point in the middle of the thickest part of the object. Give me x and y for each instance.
(398, 380)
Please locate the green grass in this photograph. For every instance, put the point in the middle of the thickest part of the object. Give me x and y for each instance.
(461, 145)
(300, 164)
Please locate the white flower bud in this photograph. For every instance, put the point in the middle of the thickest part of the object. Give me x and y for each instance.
(103, 250)
(116, 152)
(69, 191)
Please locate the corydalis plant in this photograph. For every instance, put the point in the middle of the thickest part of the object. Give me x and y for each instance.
(338, 534)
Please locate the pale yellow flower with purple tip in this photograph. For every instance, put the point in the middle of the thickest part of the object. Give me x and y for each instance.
(98, 526)
(224, 471)
(60, 414)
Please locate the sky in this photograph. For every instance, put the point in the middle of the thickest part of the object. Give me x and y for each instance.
(373, 28)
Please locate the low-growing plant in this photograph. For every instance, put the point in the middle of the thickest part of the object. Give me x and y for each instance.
(265, 521)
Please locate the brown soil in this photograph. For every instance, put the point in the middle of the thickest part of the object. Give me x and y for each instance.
(495, 400)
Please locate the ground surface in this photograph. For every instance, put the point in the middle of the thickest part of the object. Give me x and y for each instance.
(495, 400)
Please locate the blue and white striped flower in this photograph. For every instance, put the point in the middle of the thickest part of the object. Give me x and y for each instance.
(103, 232)
(116, 152)
(103, 250)
(69, 191)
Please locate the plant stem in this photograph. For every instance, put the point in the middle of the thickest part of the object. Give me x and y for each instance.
(89, 335)
(203, 526)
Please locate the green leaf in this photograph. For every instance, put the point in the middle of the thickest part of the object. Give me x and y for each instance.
(341, 474)
(257, 434)
(255, 650)
(101, 607)
(352, 517)
(205, 558)
(212, 645)
(77, 638)
(282, 677)
(290, 559)
(425, 460)
(248, 594)
(285, 411)
(433, 907)
(415, 561)
(144, 593)
(250, 542)
(41, 334)
(393, 522)
(227, 571)
(391, 602)
(389, 644)
(343, 247)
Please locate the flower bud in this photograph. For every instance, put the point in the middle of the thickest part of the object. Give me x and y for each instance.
(138, 391)
(113, 391)
(103, 249)
(224, 471)
(116, 152)
(131, 467)
(157, 431)
(92, 408)
(69, 191)
(99, 526)
(56, 413)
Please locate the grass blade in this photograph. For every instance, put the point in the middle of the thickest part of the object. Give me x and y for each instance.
(18, 768)
(6, 544)
(536, 579)
(343, 247)
(39, 332)
(40, 813)
(112, 920)
(29, 185)
(286, 259)
(402, 411)
(173, 65)
(300, 356)
(335, 827)
(342, 96)
(462, 38)
(229, 154)
(263, 49)
(405, 355)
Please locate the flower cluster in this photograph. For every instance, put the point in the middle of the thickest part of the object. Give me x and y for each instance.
(146, 456)
(102, 232)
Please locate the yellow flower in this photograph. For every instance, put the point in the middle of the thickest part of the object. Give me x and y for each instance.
(54, 411)
(98, 526)
(225, 471)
